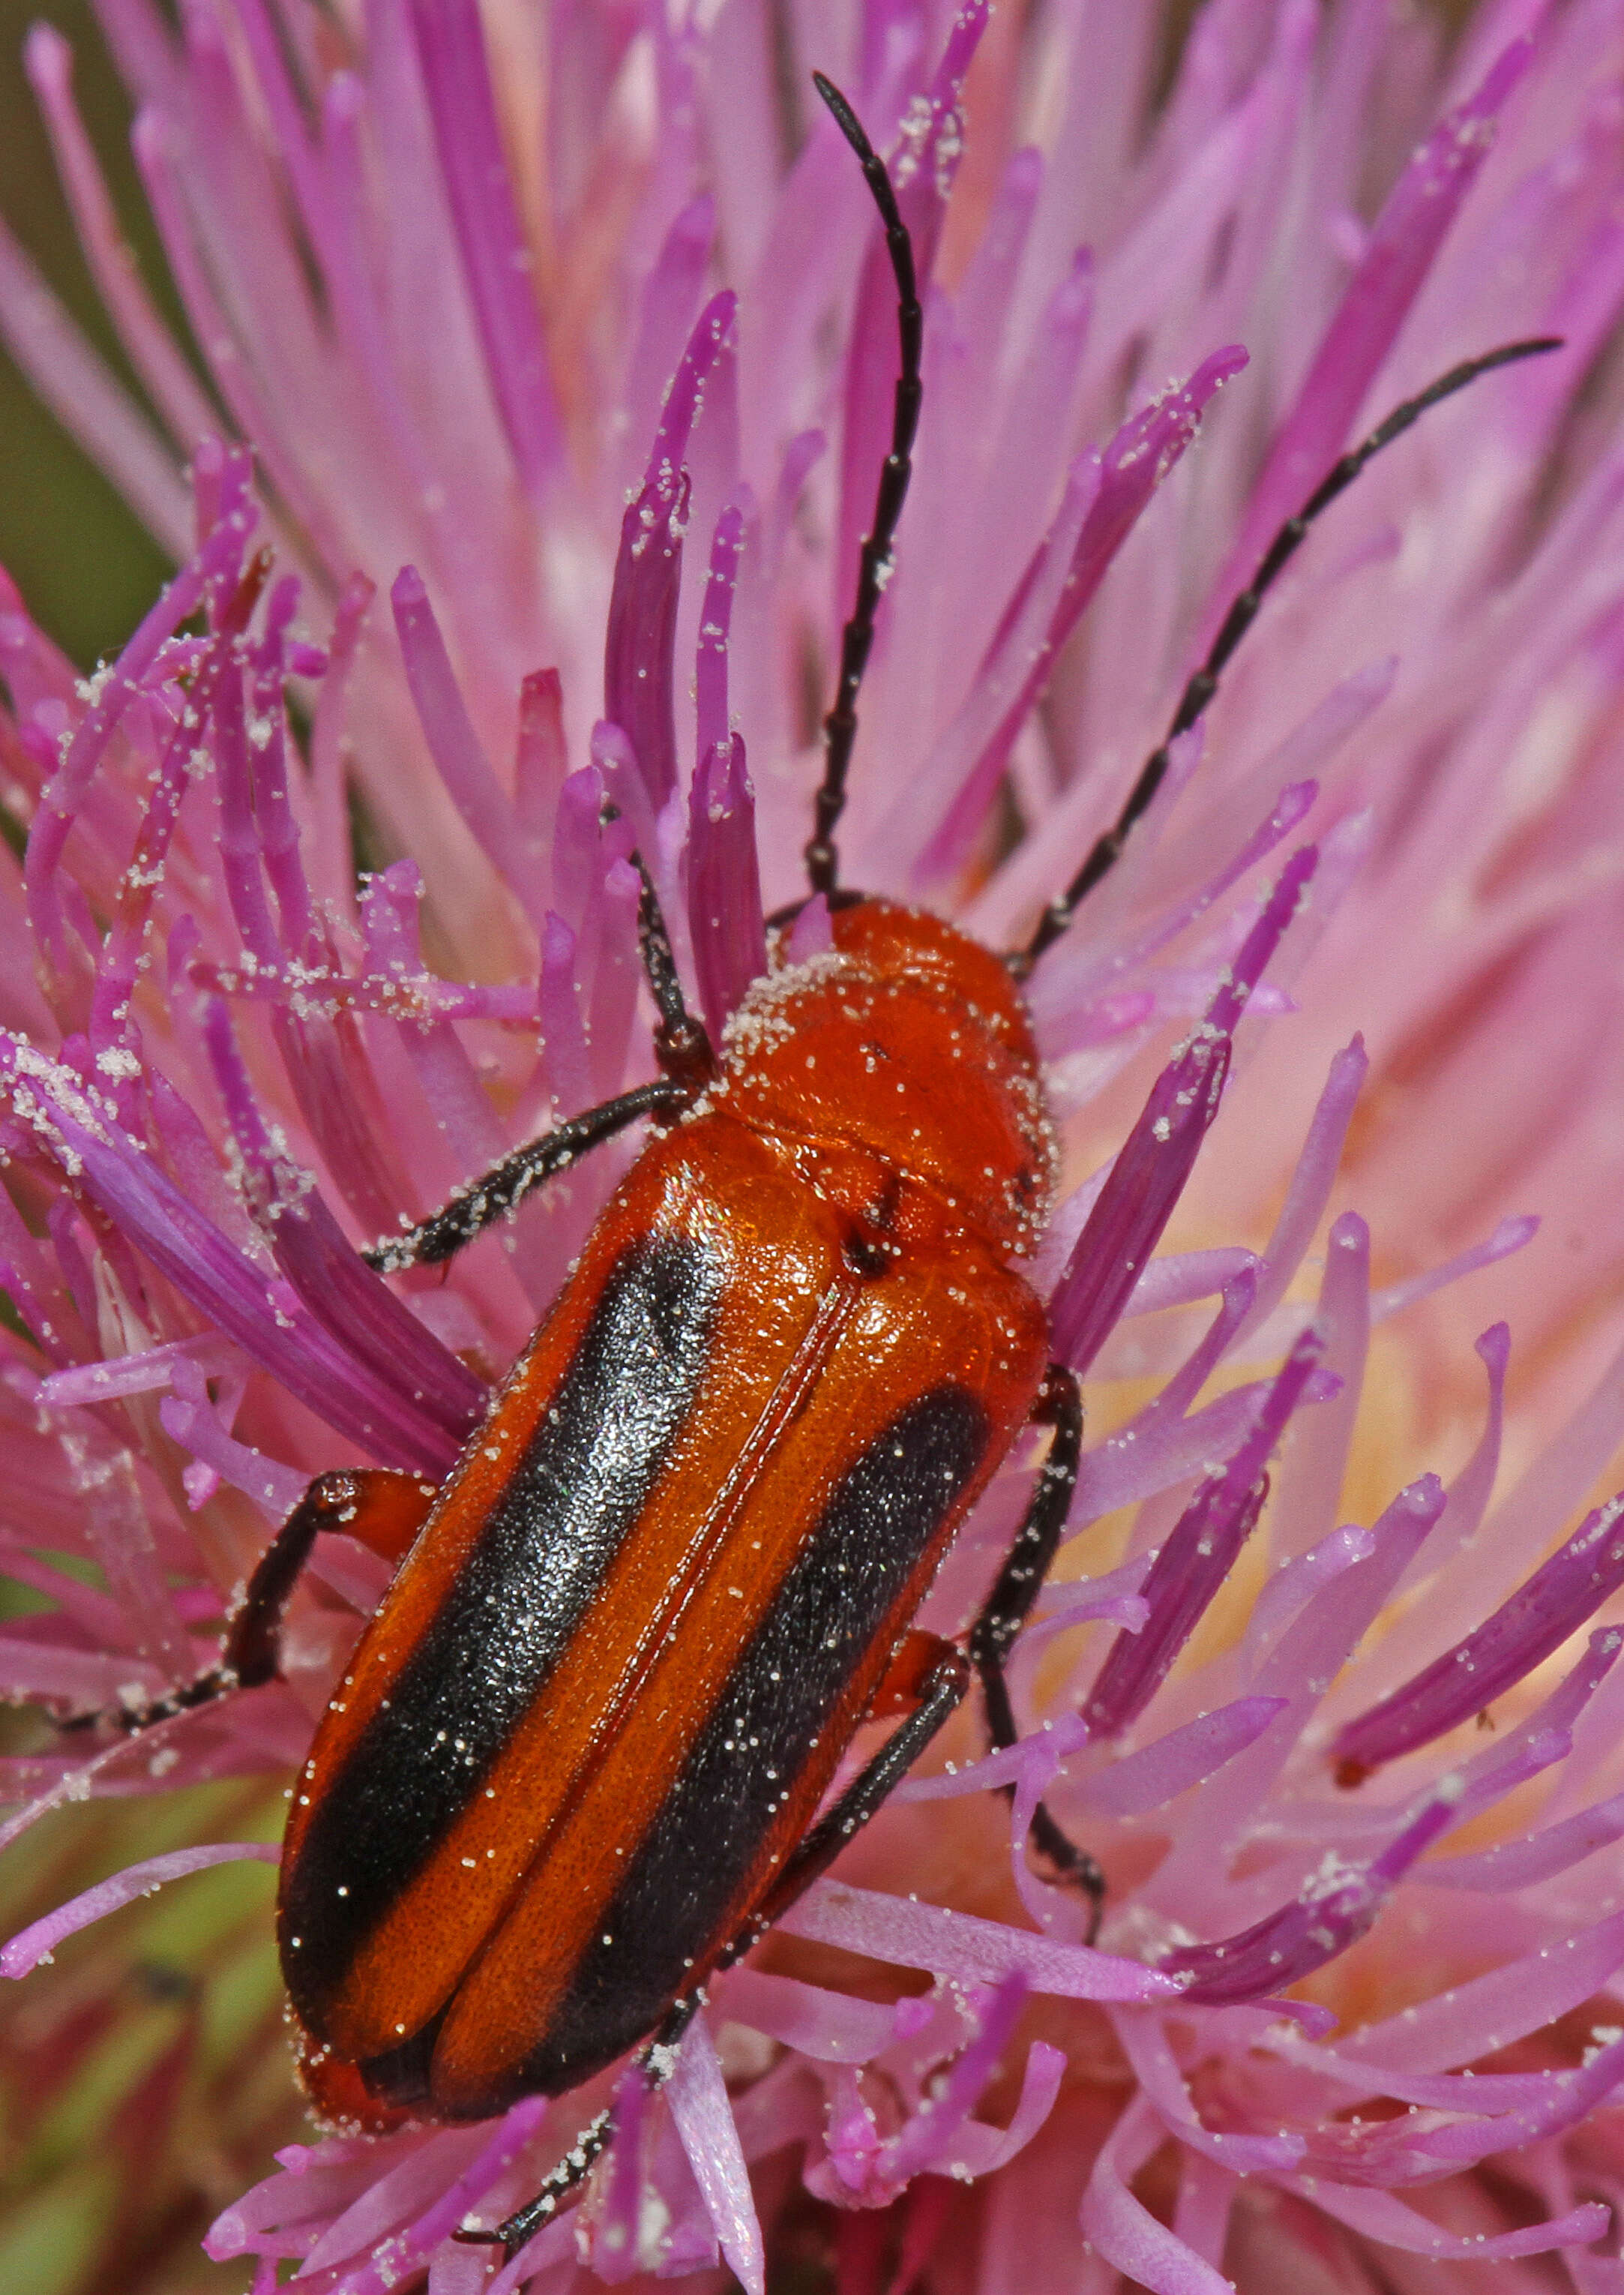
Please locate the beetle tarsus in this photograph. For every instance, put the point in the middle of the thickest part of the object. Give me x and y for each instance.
(656, 2062)
(572, 2171)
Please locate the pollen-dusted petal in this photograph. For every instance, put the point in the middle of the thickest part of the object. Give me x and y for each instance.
(1338, 1906)
(198, 1259)
(216, 559)
(724, 896)
(1196, 1559)
(1485, 1663)
(336, 1288)
(640, 640)
(715, 619)
(38, 1941)
(1156, 1159)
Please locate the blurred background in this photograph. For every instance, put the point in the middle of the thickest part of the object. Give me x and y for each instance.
(87, 567)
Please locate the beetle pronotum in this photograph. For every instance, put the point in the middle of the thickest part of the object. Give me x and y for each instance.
(580, 1757)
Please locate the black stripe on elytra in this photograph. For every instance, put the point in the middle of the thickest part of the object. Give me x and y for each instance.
(510, 1612)
(677, 1890)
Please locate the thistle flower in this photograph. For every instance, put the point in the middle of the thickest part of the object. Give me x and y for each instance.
(571, 333)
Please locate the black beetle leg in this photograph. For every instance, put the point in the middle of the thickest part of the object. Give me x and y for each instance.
(382, 1508)
(490, 1197)
(942, 1691)
(657, 2063)
(1014, 1589)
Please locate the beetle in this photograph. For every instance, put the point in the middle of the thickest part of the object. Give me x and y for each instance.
(579, 1759)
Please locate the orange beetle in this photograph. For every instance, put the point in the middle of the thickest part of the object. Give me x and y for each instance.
(578, 1758)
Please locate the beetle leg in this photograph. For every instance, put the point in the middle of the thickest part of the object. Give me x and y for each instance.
(906, 1681)
(657, 2063)
(384, 1510)
(474, 1207)
(1014, 1589)
(941, 1692)
(685, 1053)
(573, 2169)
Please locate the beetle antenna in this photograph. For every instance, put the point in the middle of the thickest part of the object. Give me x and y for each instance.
(857, 638)
(1242, 612)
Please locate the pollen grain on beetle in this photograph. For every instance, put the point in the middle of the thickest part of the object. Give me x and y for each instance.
(455, 795)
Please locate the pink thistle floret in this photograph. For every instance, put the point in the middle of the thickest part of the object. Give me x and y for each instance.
(555, 351)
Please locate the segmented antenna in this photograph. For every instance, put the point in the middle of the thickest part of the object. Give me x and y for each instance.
(857, 638)
(1244, 611)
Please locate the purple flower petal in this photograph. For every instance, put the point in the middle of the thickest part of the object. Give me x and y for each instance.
(1196, 1559)
(1331, 1914)
(164, 373)
(1380, 2217)
(724, 896)
(715, 618)
(455, 746)
(1131, 468)
(197, 1258)
(1143, 2035)
(923, 171)
(1403, 245)
(811, 933)
(959, 1945)
(40, 1940)
(705, 2121)
(831, 2027)
(1150, 1171)
(495, 254)
(1520, 1864)
(336, 1288)
(640, 646)
(670, 298)
(1154, 1773)
(216, 561)
(918, 2145)
(1124, 2233)
(1485, 1663)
